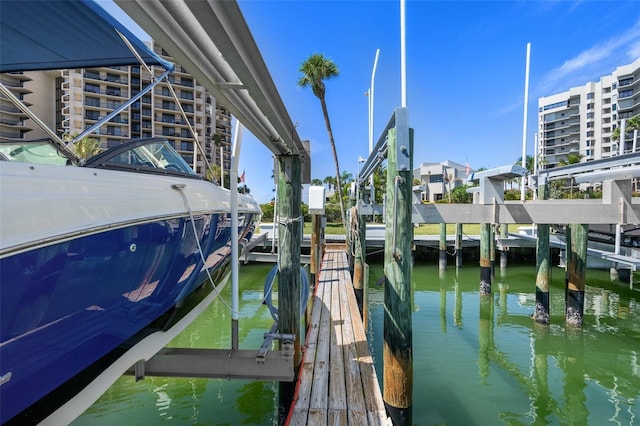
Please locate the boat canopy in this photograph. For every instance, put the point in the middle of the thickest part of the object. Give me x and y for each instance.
(55, 34)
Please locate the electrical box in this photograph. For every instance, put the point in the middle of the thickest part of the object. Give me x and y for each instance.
(316, 200)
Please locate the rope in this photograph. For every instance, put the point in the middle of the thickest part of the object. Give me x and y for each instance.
(179, 188)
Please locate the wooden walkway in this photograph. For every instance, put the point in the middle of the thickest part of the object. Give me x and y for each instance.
(337, 383)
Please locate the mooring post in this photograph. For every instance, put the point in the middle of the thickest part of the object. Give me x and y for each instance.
(492, 252)
(358, 244)
(442, 259)
(543, 268)
(398, 332)
(576, 273)
(504, 233)
(458, 245)
(485, 258)
(289, 233)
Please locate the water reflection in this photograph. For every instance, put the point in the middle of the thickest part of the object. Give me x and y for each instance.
(507, 369)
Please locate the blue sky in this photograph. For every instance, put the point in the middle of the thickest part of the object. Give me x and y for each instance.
(465, 72)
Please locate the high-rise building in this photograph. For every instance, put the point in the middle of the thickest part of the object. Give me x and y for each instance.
(580, 122)
(70, 101)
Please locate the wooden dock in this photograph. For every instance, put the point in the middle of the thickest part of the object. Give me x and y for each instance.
(337, 382)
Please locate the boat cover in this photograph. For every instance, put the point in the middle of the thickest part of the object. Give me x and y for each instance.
(64, 34)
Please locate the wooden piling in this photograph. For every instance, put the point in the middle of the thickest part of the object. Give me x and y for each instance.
(359, 244)
(485, 259)
(543, 268)
(289, 233)
(442, 259)
(398, 332)
(576, 273)
(492, 251)
(458, 245)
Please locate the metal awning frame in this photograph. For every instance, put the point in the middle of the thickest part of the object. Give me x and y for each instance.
(213, 42)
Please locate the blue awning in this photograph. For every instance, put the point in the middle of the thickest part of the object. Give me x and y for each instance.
(54, 34)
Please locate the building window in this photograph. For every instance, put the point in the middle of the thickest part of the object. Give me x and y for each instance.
(437, 178)
(590, 95)
(625, 93)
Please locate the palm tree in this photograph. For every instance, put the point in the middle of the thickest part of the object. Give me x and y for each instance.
(330, 181)
(316, 182)
(632, 124)
(572, 158)
(315, 69)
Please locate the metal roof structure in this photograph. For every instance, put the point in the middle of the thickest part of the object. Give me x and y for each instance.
(212, 40)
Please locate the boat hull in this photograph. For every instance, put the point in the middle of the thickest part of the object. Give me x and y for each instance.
(99, 258)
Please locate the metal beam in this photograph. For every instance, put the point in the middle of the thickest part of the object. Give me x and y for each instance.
(217, 363)
(551, 211)
(213, 42)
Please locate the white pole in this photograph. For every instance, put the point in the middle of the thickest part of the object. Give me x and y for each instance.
(233, 188)
(623, 130)
(372, 193)
(403, 53)
(536, 155)
(221, 168)
(524, 124)
(635, 140)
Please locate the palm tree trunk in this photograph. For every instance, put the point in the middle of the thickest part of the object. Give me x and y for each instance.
(335, 158)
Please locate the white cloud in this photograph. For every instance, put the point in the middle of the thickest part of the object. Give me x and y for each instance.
(590, 62)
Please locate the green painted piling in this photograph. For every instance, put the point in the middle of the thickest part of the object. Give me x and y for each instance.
(542, 313)
(485, 258)
(289, 233)
(359, 244)
(543, 275)
(458, 245)
(576, 272)
(442, 259)
(492, 251)
(398, 332)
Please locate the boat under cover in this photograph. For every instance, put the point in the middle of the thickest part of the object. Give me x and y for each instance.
(93, 257)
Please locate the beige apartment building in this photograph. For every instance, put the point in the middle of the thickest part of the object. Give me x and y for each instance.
(582, 119)
(70, 101)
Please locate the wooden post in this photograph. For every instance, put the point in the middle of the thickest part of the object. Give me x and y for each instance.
(504, 233)
(289, 233)
(458, 245)
(576, 273)
(359, 245)
(485, 259)
(543, 269)
(398, 332)
(316, 256)
(442, 259)
(492, 252)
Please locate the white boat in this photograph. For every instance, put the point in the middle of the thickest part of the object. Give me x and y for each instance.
(94, 255)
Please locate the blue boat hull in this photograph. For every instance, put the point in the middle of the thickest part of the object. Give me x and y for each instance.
(66, 305)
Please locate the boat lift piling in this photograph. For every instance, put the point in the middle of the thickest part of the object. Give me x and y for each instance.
(458, 245)
(543, 267)
(442, 258)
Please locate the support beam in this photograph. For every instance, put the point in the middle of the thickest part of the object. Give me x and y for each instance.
(442, 259)
(576, 273)
(485, 261)
(458, 245)
(398, 331)
(543, 268)
(289, 236)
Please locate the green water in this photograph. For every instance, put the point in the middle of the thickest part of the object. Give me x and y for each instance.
(475, 362)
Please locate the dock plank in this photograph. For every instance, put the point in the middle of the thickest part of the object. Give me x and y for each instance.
(337, 382)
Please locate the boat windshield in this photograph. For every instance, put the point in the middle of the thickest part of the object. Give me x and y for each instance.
(39, 152)
(144, 155)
